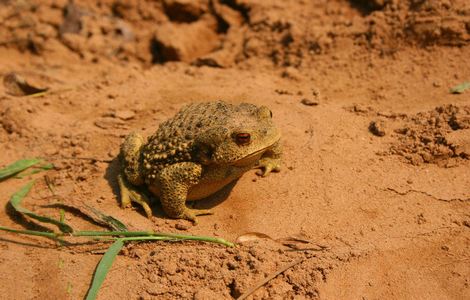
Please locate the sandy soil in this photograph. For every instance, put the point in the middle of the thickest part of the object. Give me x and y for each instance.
(376, 170)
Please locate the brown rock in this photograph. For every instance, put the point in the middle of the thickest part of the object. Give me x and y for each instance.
(185, 42)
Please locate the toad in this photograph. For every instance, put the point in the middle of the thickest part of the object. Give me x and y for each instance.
(204, 147)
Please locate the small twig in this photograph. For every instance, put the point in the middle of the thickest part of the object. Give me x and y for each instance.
(50, 184)
(269, 278)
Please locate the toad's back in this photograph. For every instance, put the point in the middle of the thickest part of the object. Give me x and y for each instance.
(174, 141)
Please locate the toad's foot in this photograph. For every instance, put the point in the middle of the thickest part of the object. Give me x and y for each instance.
(190, 214)
(129, 194)
(268, 165)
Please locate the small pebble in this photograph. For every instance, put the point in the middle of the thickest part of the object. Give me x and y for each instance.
(308, 102)
(181, 226)
(377, 128)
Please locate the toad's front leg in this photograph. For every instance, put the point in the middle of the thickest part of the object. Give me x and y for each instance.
(270, 161)
(175, 182)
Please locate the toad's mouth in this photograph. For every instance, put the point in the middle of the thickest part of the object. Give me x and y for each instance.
(253, 157)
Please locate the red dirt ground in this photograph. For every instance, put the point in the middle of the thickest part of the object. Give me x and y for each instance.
(376, 169)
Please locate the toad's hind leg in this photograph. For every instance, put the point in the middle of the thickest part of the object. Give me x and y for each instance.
(130, 194)
(130, 175)
(175, 181)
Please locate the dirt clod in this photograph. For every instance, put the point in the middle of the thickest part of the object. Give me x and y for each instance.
(125, 114)
(377, 128)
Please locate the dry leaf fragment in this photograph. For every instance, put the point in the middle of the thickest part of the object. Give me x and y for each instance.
(252, 236)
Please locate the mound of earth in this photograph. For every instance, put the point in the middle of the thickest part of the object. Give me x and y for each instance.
(437, 136)
(223, 33)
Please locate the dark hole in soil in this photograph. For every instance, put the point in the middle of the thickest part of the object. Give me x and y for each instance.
(244, 10)
(366, 7)
(161, 54)
(182, 13)
(234, 292)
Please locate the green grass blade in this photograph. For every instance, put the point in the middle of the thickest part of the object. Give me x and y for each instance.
(30, 232)
(16, 199)
(48, 166)
(148, 238)
(200, 238)
(459, 89)
(23, 175)
(94, 214)
(143, 234)
(62, 215)
(112, 222)
(115, 223)
(17, 166)
(36, 170)
(103, 268)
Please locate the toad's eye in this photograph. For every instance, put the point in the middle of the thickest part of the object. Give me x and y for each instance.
(242, 138)
(271, 113)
